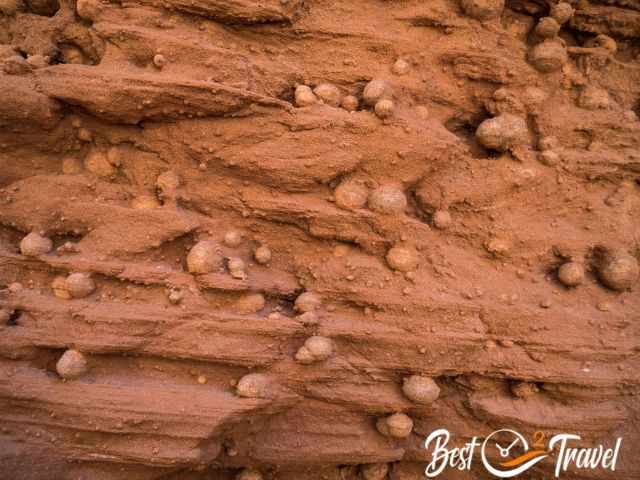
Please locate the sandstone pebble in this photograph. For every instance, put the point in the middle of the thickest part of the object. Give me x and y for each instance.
(80, 285)
(204, 257)
(374, 91)
(253, 385)
(420, 389)
(34, 244)
(329, 94)
(262, 254)
(307, 302)
(72, 364)
(502, 132)
(571, 274)
(304, 96)
(403, 258)
(617, 269)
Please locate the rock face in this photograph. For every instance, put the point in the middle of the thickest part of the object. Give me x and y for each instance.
(289, 239)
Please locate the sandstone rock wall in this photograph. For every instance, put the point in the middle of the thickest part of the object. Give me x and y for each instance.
(130, 131)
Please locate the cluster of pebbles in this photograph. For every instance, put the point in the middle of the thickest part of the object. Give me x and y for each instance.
(206, 256)
(377, 95)
(615, 268)
(550, 53)
(387, 199)
(419, 389)
(75, 285)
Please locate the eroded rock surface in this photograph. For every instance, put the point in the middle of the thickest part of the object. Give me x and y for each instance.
(370, 255)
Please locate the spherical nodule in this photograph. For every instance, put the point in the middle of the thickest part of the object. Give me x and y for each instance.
(307, 302)
(561, 12)
(502, 132)
(145, 202)
(250, 303)
(384, 108)
(618, 270)
(374, 471)
(571, 274)
(59, 287)
(398, 425)
(548, 56)
(351, 194)
(442, 219)
(253, 385)
(304, 96)
(387, 199)
(350, 103)
(80, 285)
(401, 67)
(35, 244)
(249, 474)
(547, 27)
(329, 94)
(159, 60)
(233, 238)
(420, 389)
(262, 254)
(483, 9)
(320, 347)
(72, 364)
(374, 91)
(403, 259)
(88, 9)
(204, 257)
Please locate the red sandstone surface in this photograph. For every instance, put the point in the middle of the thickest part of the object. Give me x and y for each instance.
(332, 196)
